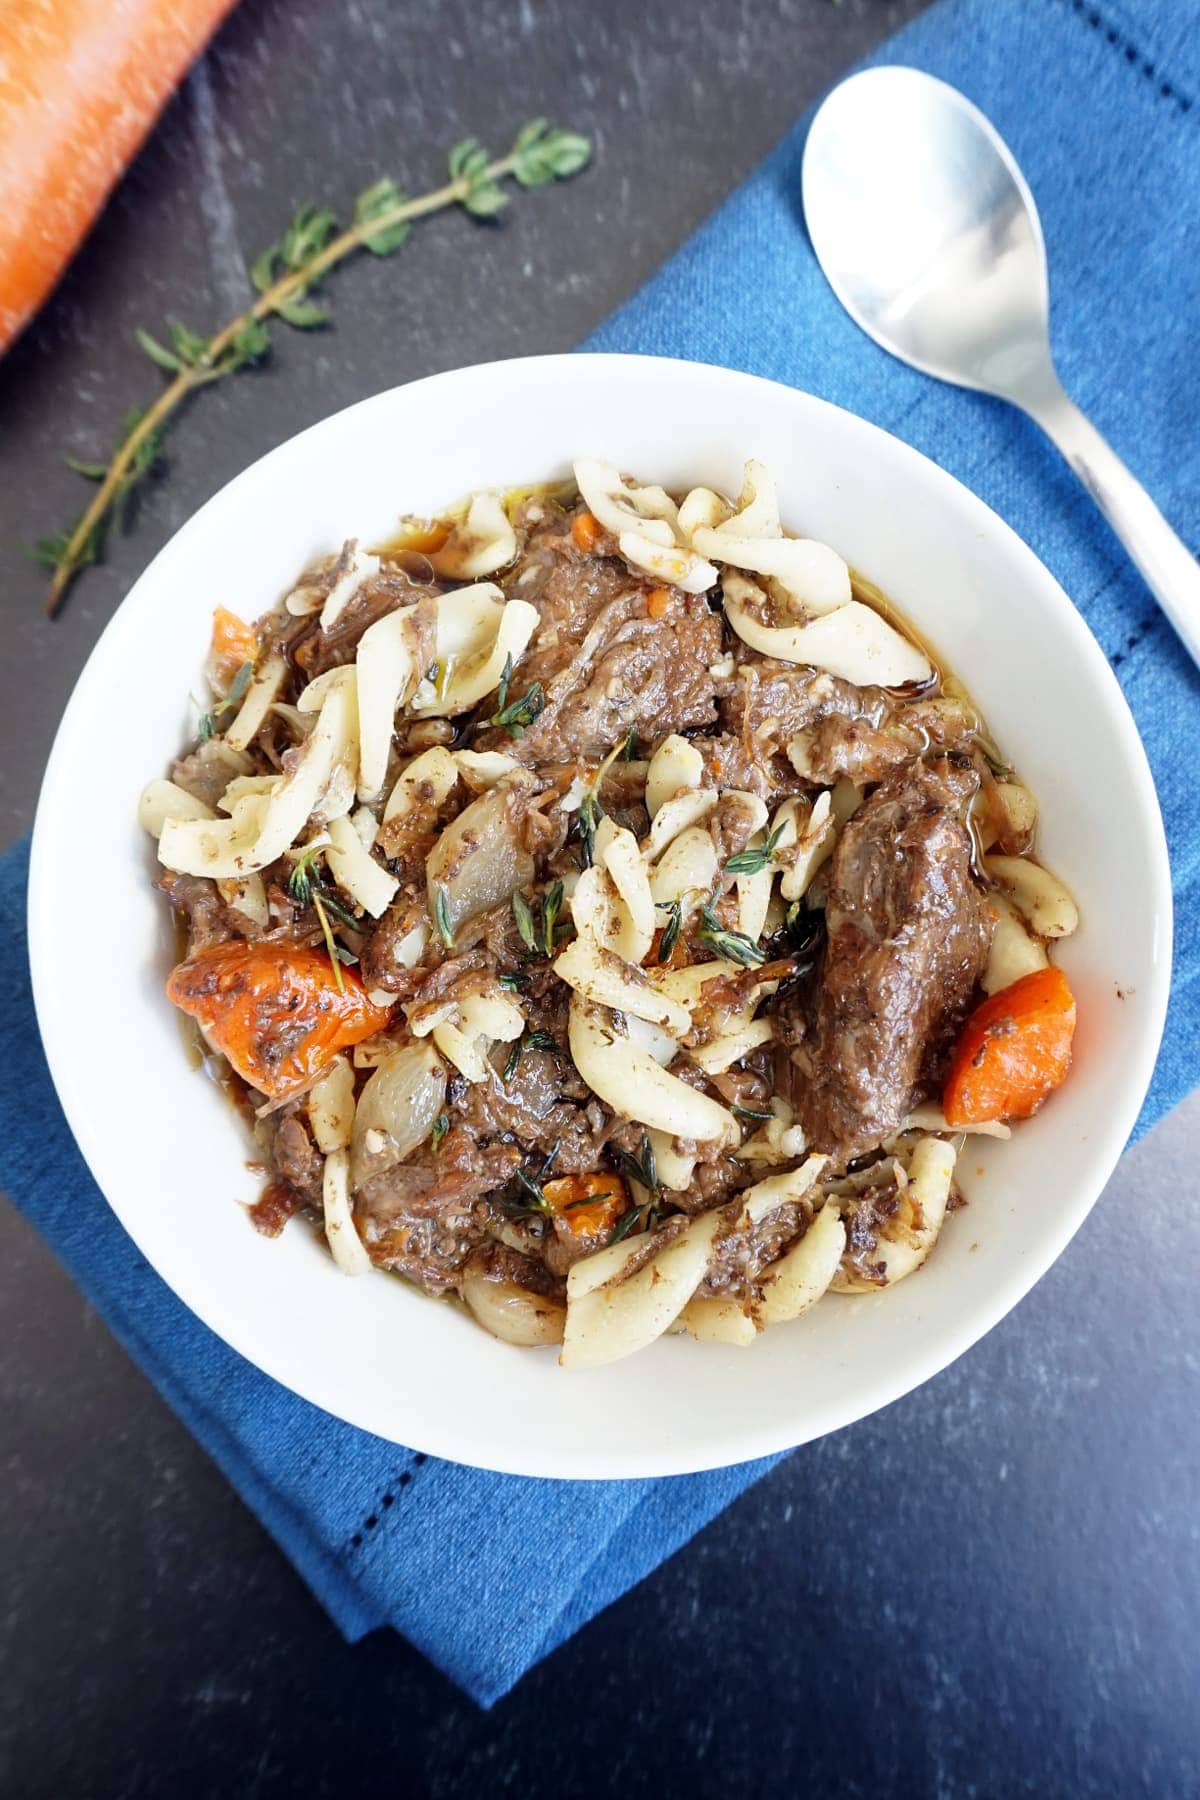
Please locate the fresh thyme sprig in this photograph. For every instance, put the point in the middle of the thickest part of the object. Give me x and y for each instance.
(670, 935)
(532, 1040)
(590, 814)
(749, 862)
(538, 925)
(516, 715)
(285, 276)
(643, 1170)
(235, 692)
(525, 1196)
(307, 890)
(731, 946)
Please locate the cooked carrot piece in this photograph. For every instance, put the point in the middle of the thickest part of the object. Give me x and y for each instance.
(586, 531)
(1015, 1050)
(658, 601)
(274, 1010)
(80, 86)
(233, 643)
(588, 1204)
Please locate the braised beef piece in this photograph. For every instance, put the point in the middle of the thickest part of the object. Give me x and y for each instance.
(425, 1217)
(769, 703)
(208, 770)
(907, 942)
(499, 1262)
(740, 1255)
(205, 915)
(605, 667)
(865, 1215)
(294, 1154)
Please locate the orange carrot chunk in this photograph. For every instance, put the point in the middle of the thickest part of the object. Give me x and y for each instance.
(657, 602)
(587, 1204)
(233, 643)
(585, 532)
(274, 1010)
(81, 84)
(1014, 1051)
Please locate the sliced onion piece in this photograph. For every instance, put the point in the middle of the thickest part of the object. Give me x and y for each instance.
(512, 1313)
(479, 860)
(932, 1118)
(330, 1106)
(636, 1086)
(261, 830)
(396, 1110)
(341, 1233)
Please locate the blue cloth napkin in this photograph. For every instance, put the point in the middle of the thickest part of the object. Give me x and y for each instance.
(484, 1573)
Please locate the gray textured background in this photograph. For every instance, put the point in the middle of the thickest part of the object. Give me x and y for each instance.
(1002, 1595)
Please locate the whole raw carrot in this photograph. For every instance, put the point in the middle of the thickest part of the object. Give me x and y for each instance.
(81, 84)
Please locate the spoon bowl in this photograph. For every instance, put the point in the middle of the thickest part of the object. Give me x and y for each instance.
(926, 229)
(929, 236)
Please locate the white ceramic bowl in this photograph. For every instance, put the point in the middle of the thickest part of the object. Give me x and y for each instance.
(161, 1141)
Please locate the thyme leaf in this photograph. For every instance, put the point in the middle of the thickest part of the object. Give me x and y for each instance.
(749, 862)
(441, 1126)
(731, 946)
(517, 715)
(441, 916)
(670, 936)
(523, 914)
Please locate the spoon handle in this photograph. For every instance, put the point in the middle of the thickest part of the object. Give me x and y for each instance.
(1168, 567)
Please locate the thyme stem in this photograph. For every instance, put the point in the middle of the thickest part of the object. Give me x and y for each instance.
(78, 548)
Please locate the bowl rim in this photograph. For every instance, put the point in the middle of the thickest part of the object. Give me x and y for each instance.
(731, 1444)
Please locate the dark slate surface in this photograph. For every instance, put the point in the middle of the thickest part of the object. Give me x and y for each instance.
(989, 1590)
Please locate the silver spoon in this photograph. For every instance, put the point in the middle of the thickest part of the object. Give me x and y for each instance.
(929, 237)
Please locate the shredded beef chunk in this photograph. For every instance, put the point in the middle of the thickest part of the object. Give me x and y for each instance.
(605, 666)
(207, 919)
(907, 941)
(426, 1216)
